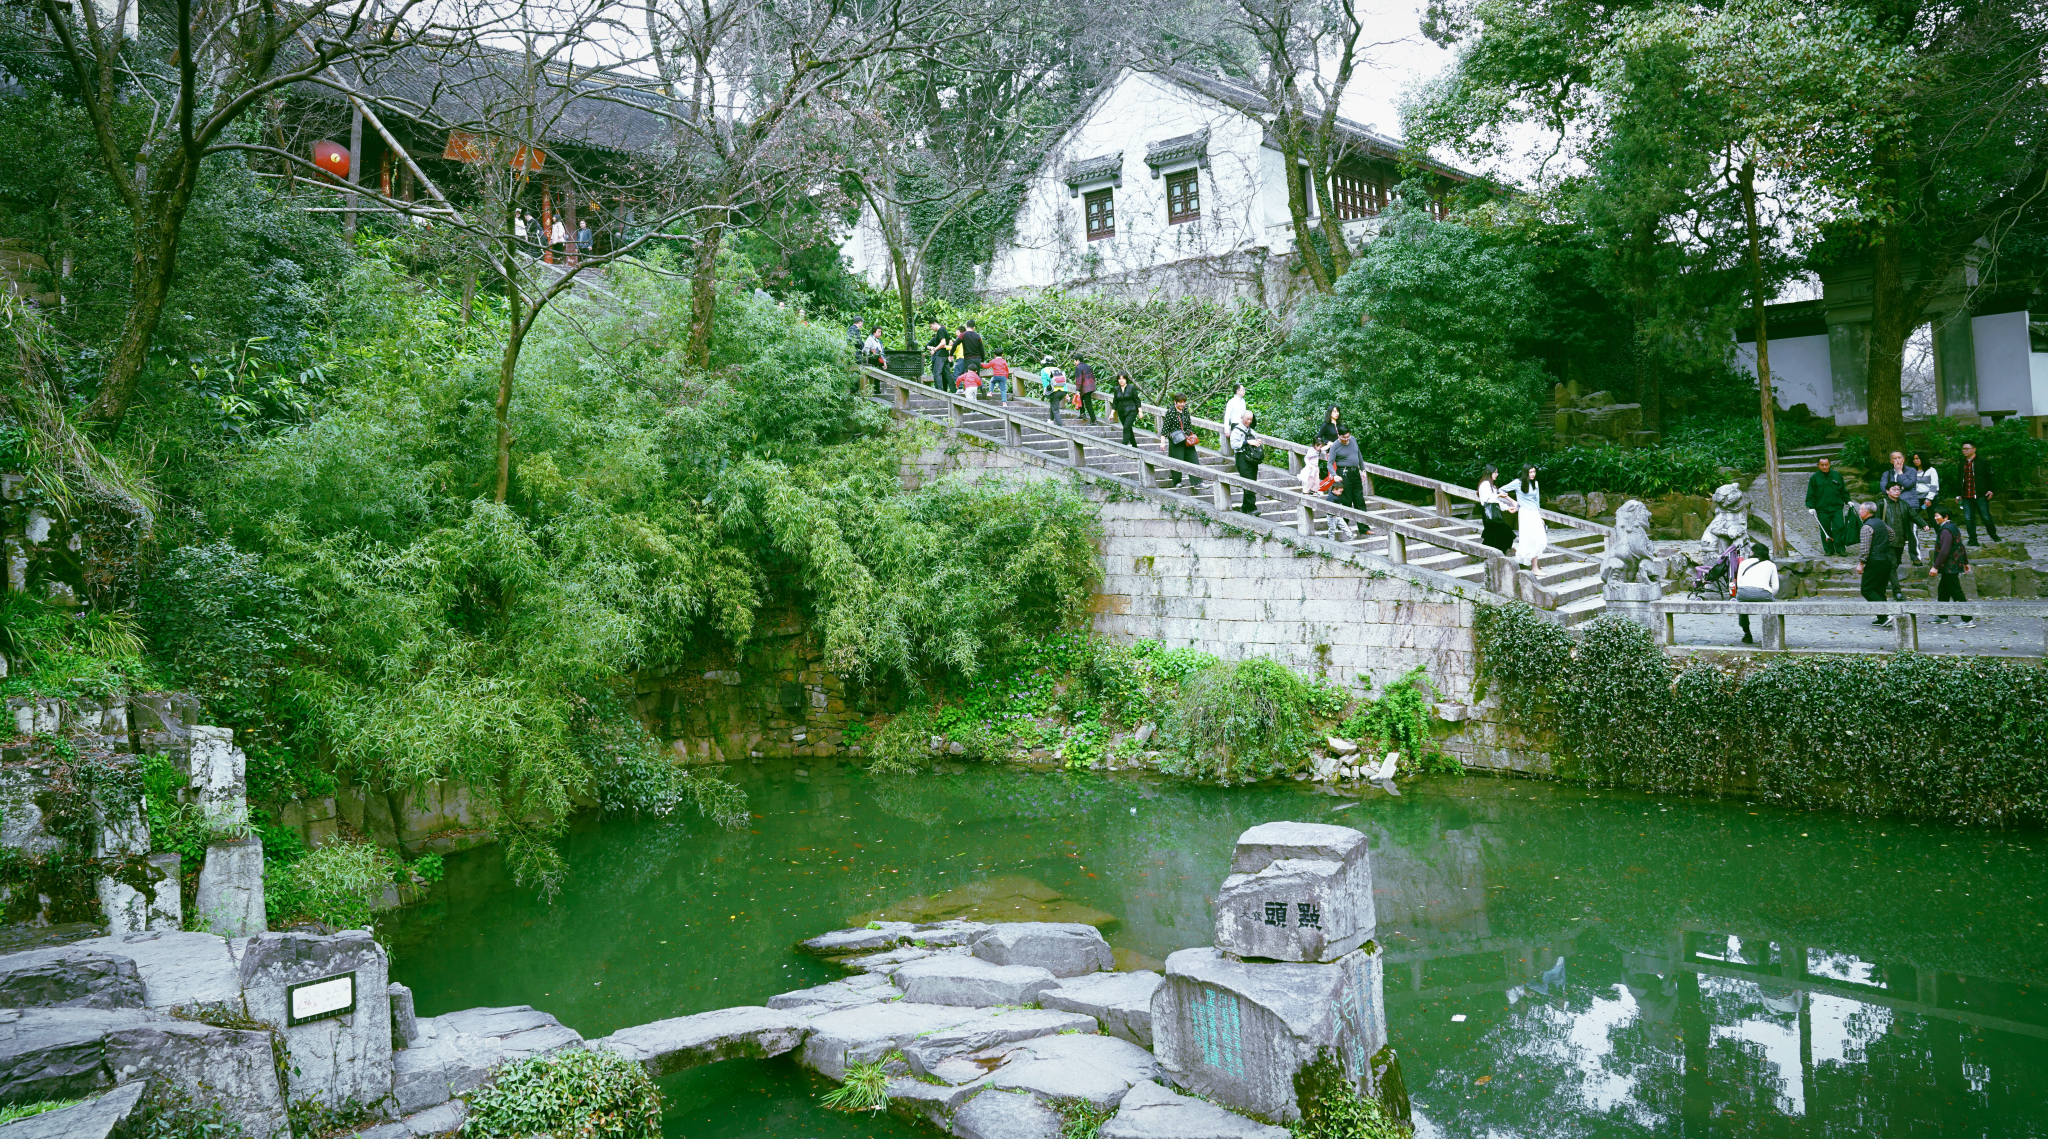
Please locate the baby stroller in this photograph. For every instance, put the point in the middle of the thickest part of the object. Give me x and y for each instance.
(1716, 582)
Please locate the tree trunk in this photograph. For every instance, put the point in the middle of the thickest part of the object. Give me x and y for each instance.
(156, 261)
(507, 365)
(1333, 227)
(1297, 210)
(1890, 325)
(1763, 361)
(704, 295)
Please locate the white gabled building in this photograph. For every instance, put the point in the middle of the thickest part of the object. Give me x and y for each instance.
(1169, 183)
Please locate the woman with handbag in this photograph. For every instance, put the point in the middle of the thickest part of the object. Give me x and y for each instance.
(1494, 529)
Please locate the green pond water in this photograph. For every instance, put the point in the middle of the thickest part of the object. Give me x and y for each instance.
(1560, 962)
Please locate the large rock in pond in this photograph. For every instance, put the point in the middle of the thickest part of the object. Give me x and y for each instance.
(1120, 1002)
(521, 1030)
(1096, 1070)
(882, 935)
(964, 980)
(1296, 892)
(176, 968)
(995, 1114)
(1150, 1111)
(1064, 949)
(442, 1063)
(1237, 1033)
(860, 989)
(668, 1046)
(96, 1118)
(865, 1034)
(336, 1056)
(991, 1030)
(69, 977)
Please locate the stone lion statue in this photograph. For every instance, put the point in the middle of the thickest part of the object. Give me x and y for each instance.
(1629, 557)
(1730, 524)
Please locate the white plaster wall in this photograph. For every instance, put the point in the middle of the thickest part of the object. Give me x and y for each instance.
(1051, 244)
(1799, 371)
(2039, 369)
(2005, 366)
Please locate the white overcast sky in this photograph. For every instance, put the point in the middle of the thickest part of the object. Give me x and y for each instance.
(1404, 60)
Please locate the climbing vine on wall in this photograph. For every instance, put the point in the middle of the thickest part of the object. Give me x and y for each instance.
(1961, 739)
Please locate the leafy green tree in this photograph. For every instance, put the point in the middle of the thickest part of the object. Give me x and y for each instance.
(1422, 345)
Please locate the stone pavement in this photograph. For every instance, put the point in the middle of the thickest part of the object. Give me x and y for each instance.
(1993, 636)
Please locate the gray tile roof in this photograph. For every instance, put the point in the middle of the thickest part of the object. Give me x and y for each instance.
(1358, 136)
(1178, 149)
(1101, 165)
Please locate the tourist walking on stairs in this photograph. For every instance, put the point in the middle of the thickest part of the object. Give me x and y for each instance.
(1877, 560)
(1233, 414)
(1326, 434)
(941, 348)
(1055, 387)
(1177, 435)
(1949, 562)
(1828, 497)
(1124, 401)
(1531, 537)
(1494, 530)
(1246, 452)
(1349, 463)
(1084, 386)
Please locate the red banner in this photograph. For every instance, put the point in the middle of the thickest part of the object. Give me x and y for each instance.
(462, 148)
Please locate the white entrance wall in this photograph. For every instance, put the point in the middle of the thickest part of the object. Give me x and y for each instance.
(1799, 372)
(2005, 364)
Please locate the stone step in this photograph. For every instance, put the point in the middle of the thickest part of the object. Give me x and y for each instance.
(1582, 610)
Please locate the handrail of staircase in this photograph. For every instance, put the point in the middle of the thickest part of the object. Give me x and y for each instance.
(1443, 490)
(1501, 570)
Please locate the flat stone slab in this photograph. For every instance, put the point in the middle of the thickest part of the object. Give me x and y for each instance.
(859, 989)
(521, 1030)
(957, 979)
(1004, 1026)
(1150, 1111)
(433, 1123)
(440, 1064)
(1120, 1002)
(1061, 1069)
(930, 1104)
(668, 1046)
(997, 1114)
(69, 977)
(865, 1034)
(887, 963)
(93, 1119)
(1064, 949)
(884, 935)
(176, 968)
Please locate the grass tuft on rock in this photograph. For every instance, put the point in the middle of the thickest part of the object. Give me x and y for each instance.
(866, 1088)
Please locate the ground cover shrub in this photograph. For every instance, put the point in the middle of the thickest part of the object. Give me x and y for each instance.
(1242, 721)
(1083, 1120)
(586, 1093)
(54, 651)
(1958, 739)
(1692, 458)
(167, 1111)
(339, 883)
(24, 1110)
(1399, 721)
(865, 1088)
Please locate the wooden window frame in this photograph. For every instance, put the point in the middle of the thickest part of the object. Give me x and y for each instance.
(1192, 180)
(1357, 194)
(1107, 196)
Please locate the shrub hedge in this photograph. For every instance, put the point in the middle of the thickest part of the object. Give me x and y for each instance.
(1957, 739)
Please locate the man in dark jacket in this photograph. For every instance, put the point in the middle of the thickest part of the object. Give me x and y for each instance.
(1973, 493)
(1826, 495)
(1178, 430)
(1876, 559)
(1124, 401)
(1898, 515)
(971, 351)
(1950, 561)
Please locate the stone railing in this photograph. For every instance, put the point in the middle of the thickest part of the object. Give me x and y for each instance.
(1226, 488)
(1906, 615)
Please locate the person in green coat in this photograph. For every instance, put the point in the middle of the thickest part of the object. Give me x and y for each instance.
(1826, 496)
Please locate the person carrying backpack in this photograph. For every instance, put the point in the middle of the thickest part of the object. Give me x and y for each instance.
(1055, 386)
(1950, 562)
(1248, 454)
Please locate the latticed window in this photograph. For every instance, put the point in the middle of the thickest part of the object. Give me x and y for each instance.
(1183, 197)
(1101, 207)
(1358, 195)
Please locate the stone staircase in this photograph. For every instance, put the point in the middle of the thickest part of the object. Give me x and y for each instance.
(1568, 582)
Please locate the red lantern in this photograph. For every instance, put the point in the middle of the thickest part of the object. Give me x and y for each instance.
(331, 157)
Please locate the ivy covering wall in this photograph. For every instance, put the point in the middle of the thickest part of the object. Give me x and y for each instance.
(1959, 739)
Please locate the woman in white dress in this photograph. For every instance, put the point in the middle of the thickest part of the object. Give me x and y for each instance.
(1527, 504)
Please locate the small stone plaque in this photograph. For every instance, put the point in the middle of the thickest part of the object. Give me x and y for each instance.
(317, 1000)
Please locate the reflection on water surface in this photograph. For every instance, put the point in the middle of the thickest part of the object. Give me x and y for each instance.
(1559, 962)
